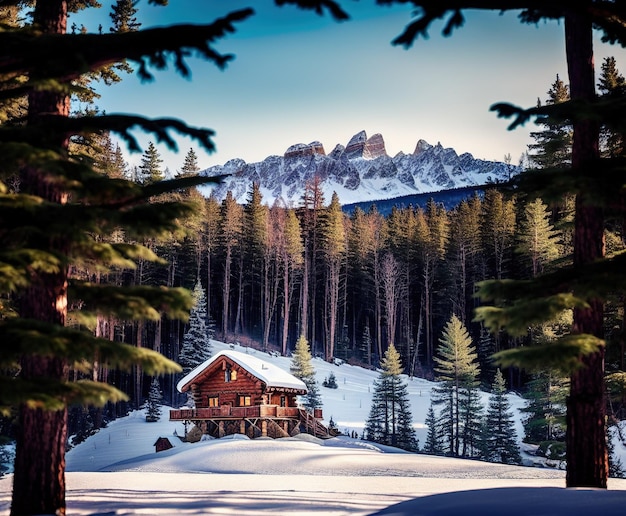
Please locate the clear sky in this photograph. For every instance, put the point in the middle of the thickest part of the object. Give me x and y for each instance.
(298, 77)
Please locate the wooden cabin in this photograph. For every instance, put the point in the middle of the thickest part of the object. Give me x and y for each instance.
(238, 393)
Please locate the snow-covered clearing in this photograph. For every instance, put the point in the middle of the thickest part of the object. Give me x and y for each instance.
(117, 472)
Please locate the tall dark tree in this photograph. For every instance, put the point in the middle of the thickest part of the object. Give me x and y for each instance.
(582, 352)
(553, 145)
(432, 445)
(54, 222)
(500, 440)
(611, 83)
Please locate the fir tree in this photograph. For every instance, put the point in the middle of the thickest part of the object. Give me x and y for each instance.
(190, 165)
(432, 445)
(150, 168)
(611, 84)
(123, 16)
(553, 145)
(456, 365)
(546, 393)
(153, 405)
(197, 339)
(499, 439)
(73, 208)
(537, 237)
(390, 419)
(301, 367)
(593, 181)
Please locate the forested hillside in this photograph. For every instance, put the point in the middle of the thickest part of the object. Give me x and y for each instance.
(352, 284)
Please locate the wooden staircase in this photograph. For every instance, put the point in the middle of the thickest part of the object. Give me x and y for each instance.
(314, 426)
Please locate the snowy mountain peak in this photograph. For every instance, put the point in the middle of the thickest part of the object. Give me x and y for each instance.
(360, 171)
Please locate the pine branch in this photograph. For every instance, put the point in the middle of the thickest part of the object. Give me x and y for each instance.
(53, 395)
(608, 16)
(55, 56)
(318, 6)
(603, 183)
(133, 303)
(37, 338)
(50, 127)
(561, 355)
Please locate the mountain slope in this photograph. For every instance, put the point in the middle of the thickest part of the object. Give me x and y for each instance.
(360, 171)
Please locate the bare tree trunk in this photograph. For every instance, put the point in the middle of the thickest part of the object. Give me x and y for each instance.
(239, 314)
(226, 291)
(587, 456)
(304, 296)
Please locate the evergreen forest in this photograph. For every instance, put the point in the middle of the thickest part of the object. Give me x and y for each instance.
(99, 259)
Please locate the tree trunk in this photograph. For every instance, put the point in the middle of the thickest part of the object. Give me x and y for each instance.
(587, 457)
(39, 478)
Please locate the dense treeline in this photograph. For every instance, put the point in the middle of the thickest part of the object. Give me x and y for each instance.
(352, 285)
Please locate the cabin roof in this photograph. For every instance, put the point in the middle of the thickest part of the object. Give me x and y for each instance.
(271, 375)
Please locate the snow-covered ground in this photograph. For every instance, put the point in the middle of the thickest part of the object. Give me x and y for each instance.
(117, 472)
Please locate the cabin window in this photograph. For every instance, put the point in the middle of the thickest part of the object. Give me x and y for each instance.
(214, 401)
(283, 401)
(230, 375)
(245, 400)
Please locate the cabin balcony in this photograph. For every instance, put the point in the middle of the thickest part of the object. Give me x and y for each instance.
(228, 412)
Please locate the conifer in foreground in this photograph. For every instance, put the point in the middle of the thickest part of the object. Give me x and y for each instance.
(390, 419)
(457, 373)
(499, 438)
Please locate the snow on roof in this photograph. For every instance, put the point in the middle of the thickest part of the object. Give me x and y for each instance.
(270, 374)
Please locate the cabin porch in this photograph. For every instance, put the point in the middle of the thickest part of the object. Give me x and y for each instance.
(254, 421)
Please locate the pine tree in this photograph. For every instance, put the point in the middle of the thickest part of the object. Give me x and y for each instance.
(150, 168)
(302, 367)
(72, 207)
(123, 16)
(334, 248)
(537, 237)
(153, 405)
(546, 393)
(499, 439)
(390, 419)
(190, 165)
(432, 445)
(612, 84)
(553, 145)
(456, 366)
(197, 339)
(595, 185)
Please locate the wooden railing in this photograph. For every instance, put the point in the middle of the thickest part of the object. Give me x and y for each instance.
(227, 411)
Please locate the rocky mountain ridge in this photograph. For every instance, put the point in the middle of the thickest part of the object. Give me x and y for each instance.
(359, 171)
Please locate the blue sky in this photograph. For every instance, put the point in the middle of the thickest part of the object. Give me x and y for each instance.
(298, 77)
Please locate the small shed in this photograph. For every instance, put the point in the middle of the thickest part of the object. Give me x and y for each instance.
(162, 444)
(236, 392)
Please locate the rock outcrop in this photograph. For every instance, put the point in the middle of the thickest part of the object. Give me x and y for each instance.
(362, 170)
